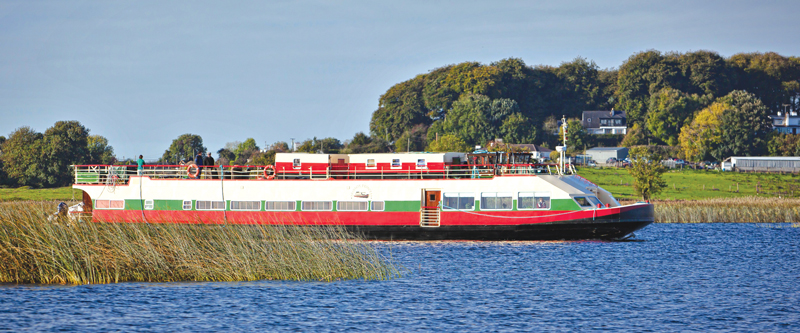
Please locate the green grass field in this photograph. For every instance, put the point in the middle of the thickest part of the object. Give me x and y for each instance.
(44, 194)
(698, 184)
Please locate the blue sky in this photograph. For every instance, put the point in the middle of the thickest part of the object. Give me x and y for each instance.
(142, 73)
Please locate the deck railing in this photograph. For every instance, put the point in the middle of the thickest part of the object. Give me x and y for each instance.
(120, 174)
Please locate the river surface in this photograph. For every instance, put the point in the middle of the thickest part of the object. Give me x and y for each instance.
(673, 277)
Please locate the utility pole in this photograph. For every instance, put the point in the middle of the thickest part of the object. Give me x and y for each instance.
(292, 145)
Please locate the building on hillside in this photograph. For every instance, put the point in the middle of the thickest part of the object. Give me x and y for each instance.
(762, 163)
(786, 122)
(604, 122)
(602, 154)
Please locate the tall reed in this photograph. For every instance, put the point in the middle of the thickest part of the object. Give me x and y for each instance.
(35, 250)
(746, 209)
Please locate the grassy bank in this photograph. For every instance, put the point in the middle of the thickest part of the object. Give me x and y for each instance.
(33, 250)
(43, 194)
(699, 184)
(747, 209)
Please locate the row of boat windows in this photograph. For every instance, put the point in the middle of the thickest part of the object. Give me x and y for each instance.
(496, 200)
(268, 205)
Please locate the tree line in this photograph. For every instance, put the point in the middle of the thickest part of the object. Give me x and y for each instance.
(29, 158)
(706, 105)
(663, 94)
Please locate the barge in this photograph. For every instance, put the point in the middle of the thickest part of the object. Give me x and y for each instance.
(392, 196)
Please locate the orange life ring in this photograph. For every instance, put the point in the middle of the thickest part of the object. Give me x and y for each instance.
(189, 171)
(269, 177)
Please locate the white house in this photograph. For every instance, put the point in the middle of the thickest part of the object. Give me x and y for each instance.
(604, 122)
(786, 122)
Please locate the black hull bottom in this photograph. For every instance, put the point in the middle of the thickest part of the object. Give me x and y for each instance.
(608, 228)
(544, 231)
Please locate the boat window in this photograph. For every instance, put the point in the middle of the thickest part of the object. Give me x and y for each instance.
(187, 204)
(317, 205)
(595, 201)
(210, 205)
(352, 205)
(280, 205)
(396, 163)
(583, 201)
(492, 200)
(371, 163)
(296, 163)
(421, 164)
(109, 204)
(148, 204)
(245, 205)
(377, 206)
(533, 200)
(462, 201)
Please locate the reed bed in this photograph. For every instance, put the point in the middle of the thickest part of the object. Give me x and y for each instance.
(743, 209)
(35, 250)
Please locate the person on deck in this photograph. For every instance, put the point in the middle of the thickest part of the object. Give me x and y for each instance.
(140, 166)
(199, 162)
(210, 162)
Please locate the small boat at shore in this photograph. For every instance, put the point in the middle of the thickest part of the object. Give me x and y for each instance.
(391, 196)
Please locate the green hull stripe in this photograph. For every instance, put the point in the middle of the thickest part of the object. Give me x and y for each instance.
(389, 206)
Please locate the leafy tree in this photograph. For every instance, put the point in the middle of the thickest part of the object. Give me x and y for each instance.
(517, 128)
(607, 81)
(374, 145)
(782, 144)
(469, 119)
(245, 149)
(579, 85)
(413, 140)
(646, 170)
(185, 147)
(64, 144)
(307, 146)
(770, 77)
(328, 145)
(449, 143)
(446, 85)
(634, 83)
(267, 158)
(99, 152)
(555, 156)
(745, 128)
(22, 158)
(706, 73)
(280, 147)
(225, 156)
(670, 109)
(577, 138)
(703, 134)
(635, 137)
(399, 109)
(360, 139)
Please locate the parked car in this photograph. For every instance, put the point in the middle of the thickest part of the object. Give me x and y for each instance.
(611, 160)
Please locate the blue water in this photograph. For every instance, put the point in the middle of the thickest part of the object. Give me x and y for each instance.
(675, 277)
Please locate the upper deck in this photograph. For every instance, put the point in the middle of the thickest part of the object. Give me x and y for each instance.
(304, 166)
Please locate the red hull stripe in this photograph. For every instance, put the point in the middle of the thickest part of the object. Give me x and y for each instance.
(351, 218)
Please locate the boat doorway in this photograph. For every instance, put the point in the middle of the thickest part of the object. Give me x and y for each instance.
(429, 212)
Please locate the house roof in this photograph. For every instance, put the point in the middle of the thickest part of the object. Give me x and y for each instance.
(596, 115)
